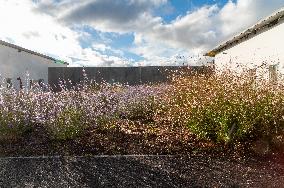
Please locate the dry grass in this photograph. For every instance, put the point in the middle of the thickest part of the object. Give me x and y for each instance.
(193, 112)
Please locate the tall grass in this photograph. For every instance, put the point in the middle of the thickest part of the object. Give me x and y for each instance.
(224, 108)
(66, 114)
(227, 108)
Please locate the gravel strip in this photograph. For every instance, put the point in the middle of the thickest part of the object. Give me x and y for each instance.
(141, 171)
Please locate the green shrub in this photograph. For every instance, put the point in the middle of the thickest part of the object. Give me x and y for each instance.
(227, 108)
(67, 125)
(13, 126)
(142, 110)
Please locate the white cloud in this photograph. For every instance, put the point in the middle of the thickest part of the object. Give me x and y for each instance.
(42, 33)
(237, 16)
(195, 32)
(202, 29)
(45, 26)
(36, 32)
(104, 15)
(191, 31)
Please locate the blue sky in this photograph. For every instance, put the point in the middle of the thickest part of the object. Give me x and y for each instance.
(181, 7)
(128, 32)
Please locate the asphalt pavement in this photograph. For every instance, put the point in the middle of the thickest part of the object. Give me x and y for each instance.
(140, 171)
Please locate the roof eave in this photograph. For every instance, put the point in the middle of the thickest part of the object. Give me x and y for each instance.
(19, 48)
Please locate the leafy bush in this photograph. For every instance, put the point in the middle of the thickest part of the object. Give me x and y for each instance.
(227, 108)
(14, 116)
(66, 114)
(11, 127)
(67, 125)
(224, 108)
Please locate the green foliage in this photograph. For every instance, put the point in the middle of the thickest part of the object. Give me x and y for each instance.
(67, 125)
(142, 110)
(222, 108)
(13, 126)
(227, 108)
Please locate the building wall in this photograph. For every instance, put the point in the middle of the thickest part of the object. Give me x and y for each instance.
(14, 64)
(265, 48)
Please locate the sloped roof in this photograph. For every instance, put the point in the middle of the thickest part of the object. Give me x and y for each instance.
(19, 48)
(268, 22)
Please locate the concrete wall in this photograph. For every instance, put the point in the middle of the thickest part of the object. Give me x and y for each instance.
(123, 75)
(266, 47)
(15, 63)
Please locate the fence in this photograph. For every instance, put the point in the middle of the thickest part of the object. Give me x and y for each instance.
(123, 75)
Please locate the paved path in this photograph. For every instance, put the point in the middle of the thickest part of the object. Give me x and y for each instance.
(140, 171)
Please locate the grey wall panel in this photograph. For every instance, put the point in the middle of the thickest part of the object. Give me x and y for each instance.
(122, 75)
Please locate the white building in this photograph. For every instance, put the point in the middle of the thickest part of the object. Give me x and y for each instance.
(19, 66)
(261, 46)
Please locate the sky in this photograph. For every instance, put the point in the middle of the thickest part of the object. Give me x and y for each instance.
(128, 32)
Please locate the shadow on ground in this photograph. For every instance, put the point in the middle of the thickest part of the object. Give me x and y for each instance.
(139, 171)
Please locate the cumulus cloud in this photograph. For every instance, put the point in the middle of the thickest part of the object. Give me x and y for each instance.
(198, 30)
(161, 54)
(203, 28)
(105, 15)
(123, 11)
(44, 34)
(237, 16)
(48, 26)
